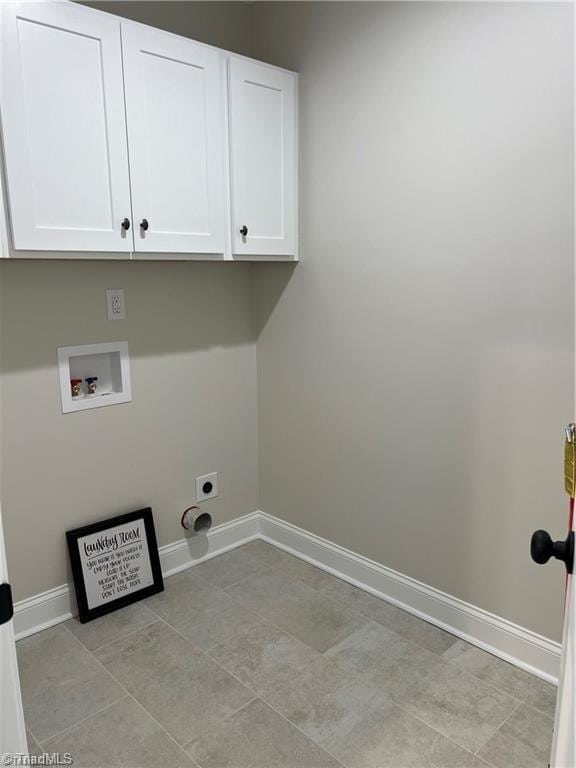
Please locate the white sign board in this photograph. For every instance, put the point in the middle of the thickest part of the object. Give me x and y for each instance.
(114, 562)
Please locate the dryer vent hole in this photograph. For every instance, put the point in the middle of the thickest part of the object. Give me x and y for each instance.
(203, 521)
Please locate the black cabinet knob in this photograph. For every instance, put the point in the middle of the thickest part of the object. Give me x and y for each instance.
(144, 224)
(244, 230)
(542, 548)
(126, 225)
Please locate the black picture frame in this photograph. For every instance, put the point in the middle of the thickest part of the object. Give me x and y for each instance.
(87, 613)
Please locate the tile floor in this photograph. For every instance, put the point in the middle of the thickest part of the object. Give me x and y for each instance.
(258, 659)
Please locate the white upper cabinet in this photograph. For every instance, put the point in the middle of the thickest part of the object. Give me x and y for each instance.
(175, 115)
(263, 159)
(124, 141)
(64, 128)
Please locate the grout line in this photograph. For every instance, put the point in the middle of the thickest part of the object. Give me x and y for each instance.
(512, 696)
(26, 727)
(442, 735)
(256, 694)
(38, 742)
(82, 720)
(120, 637)
(262, 619)
(538, 711)
(508, 716)
(128, 694)
(263, 570)
(454, 665)
(472, 754)
(172, 739)
(190, 569)
(218, 725)
(368, 619)
(448, 661)
(411, 642)
(232, 637)
(516, 708)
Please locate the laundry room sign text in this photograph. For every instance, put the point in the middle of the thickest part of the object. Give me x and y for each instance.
(115, 562)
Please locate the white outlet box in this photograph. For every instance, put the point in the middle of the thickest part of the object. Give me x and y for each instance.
(206, 487)
(115, 304)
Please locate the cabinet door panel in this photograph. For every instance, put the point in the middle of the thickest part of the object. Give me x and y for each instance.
(175, 129)
(263, 147)
(64, 128)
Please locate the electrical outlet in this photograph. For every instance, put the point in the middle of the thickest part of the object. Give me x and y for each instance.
(115, 304)
(206, 487)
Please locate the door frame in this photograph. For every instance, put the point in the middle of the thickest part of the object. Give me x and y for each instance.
(12, 726)
(563, 753)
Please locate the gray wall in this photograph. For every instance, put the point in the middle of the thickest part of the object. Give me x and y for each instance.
(193, 360)
(225, 24)
(415, 369)
(193, 366)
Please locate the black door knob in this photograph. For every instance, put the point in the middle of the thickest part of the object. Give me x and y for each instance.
(126, 224)
(144, 224)
(244, 230)
(542, 548)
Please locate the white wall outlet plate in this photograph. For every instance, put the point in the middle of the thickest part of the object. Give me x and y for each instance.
(206, 487)
(115, 304)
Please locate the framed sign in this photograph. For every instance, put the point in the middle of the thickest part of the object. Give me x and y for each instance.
(115, 562)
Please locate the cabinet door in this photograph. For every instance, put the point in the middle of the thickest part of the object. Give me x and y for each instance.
(64, 128)
(174, 109)
(263, 158)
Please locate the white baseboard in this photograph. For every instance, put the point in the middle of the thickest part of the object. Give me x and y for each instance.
(519, 646)
(58, 604)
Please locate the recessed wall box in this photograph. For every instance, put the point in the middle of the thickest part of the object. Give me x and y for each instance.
(108, 364)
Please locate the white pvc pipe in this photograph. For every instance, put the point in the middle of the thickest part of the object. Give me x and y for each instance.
(196, 520)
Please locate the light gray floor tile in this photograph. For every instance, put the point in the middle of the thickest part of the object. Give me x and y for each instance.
(316, 620)
(258, 737)
(339, 667)
(302, 571)
(459, 706)
(230, 568)
(421, 632)
(61, 682)
(524, 741)
(95, 633)
(401, 622)
(375, 649)
(387, 737)
(289, 565)
(446, 754)
(262, 592)
(318, 695)
(265, 658)
(33, 747)
(122, 735)
(263, 551)
(216, 627)
(178, 684)
(522, 685)
(331, 704)
(188, 597)
(399, 668)
(202, 612)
